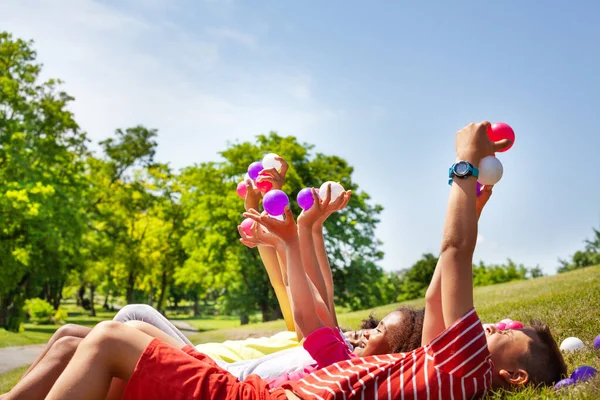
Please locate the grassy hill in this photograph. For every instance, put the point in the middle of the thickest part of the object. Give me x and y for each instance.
(568, 303)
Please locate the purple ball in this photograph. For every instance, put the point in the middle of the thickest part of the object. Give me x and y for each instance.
(597, 342)
(564, 383)
(583, 373)
(305, 198)
(478, 188)
(254, 169)
(274, 202)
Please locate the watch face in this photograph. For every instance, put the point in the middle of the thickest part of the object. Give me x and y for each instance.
(461, 168)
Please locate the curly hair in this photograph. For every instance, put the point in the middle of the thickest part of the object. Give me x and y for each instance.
(406, 337)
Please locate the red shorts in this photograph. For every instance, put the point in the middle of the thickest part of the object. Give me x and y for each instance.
(164, 372)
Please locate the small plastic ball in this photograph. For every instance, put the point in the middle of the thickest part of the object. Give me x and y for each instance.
(499, 131)
(500, 326)
(305, 198)
(247, 226)
(506, 320)
(514, 325)
(571, 344)
(264, 185)
(269, 161)
(478, 187)
(583, 373)
(490, 170)
(275, 202)
(241, 190)
(597, 342)
(336, 190)
(254, 169)
(564, 383)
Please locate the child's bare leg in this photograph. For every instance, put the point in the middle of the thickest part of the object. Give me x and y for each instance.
(38, 382)
(69, 330)
(110, 350)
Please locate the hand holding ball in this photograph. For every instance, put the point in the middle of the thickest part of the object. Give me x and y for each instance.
(499, 131)
(305, 198)
(275, 202)
(336, 190)
(490, 170)
(270, 161)
(247, 226)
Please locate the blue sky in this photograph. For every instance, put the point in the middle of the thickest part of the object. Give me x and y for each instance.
(383, 84)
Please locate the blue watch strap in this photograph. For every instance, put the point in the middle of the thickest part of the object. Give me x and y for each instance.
(471, 171)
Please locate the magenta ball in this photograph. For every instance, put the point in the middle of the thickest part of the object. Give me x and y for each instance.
(254, 169)
(564, 383)
(275, 202)
(514, 325)
(583, 373)
(499, 131)
(247, 226)
(597, 342)
(305, 198)
(241, 190)
(500, 326)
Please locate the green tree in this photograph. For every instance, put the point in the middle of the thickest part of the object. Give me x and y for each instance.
(43, 191)
(583, 258)
(416, 279)
(217, 262)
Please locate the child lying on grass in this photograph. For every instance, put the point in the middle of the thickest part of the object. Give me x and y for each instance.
(461, 360)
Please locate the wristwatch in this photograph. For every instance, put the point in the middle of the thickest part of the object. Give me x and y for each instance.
(462, 169)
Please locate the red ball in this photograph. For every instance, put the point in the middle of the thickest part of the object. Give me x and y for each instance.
(263, 185)
(499, 131)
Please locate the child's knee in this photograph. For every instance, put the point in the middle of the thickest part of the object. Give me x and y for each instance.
(64, 348)
(105, 333)
(133, 312)
(71, 330)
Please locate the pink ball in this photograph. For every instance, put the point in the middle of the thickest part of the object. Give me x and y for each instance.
(275, 202)
(241, 190)
(247, 226)
(500, 326)
(506, 320)
(499, 131)
(514, 325)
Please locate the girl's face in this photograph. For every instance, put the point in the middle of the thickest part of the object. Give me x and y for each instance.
(368, 342)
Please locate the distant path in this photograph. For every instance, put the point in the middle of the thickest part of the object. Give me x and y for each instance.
(18, 356)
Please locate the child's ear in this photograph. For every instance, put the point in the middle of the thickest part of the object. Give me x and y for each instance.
(519, 377)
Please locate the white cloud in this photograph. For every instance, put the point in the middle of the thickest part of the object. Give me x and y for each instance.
(126, 68)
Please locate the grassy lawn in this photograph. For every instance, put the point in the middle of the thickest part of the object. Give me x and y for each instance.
(567, 302)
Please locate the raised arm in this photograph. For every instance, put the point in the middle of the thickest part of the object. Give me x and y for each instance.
(432, 325)
(460, 228)
(302, 296)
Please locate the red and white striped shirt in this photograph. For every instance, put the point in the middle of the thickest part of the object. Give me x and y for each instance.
(455, 365)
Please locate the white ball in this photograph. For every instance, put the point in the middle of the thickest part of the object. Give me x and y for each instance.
(269, 161)
(490, 170)
(336, 190)
(571, 344)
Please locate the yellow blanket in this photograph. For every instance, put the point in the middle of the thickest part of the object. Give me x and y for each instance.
(248, 349)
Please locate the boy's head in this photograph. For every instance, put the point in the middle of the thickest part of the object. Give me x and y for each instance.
(528, 355)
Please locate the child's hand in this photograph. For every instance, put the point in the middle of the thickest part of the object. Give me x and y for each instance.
(482, 199)
(322, 208)
(277, 178)
(252, 196)
(473, 143)
(286, 230)
(259, 237)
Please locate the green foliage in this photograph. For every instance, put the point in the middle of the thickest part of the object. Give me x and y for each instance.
(60, 316)
(583, 258)
(39, 311)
